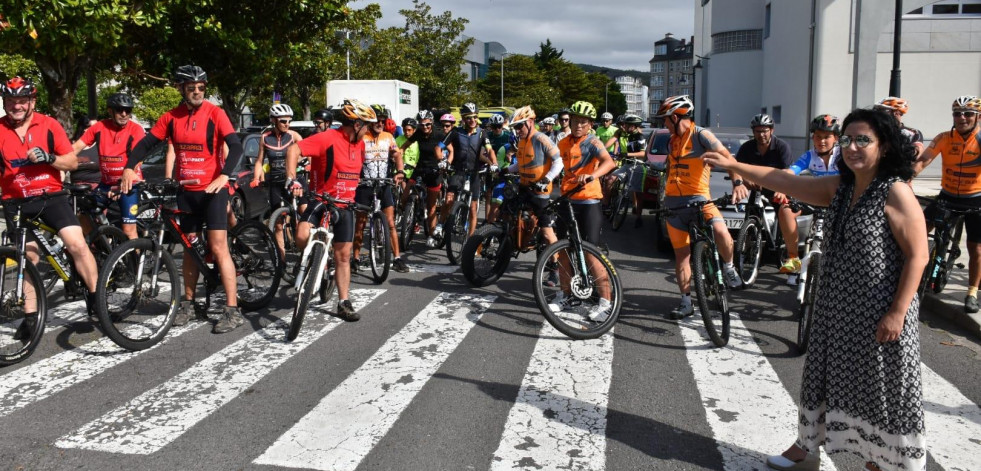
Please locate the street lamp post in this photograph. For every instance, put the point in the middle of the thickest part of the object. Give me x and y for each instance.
(503, 55)
(606, 98)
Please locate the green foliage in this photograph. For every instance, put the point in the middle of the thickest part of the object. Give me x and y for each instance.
(524, 84)
(154, 102)
(547, 54)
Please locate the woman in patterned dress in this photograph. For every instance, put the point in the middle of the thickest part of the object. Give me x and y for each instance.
(861, 390)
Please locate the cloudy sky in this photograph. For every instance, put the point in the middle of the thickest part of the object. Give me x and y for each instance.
(618, 34)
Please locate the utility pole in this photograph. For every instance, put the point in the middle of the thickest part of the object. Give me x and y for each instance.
(896, 47)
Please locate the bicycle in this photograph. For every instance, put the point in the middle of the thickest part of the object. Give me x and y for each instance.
(376, 235)
(577, 262)
(488, 252)
(457, 225)
(282, 223)
(944, 245)
(414, 211)
(758, 233)
(621, 201)
(706, 272)
(810, 274)
(315, 261)
(139, 287)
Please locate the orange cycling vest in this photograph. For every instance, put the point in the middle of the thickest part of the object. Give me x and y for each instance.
(581, 157)
(534, 160)
(961, 162)
(687, 174)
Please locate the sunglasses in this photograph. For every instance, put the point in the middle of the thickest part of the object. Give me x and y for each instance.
(426, 125)
(318, 123)
(966, 114)
(563, 120)
(196, 88)
(123, 111)
(283, 121)
(861, 140)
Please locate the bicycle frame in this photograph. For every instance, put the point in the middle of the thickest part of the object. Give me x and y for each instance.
(61, 264)
(756, 207)
(815, 239)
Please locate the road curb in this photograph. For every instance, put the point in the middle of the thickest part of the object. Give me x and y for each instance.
(948, 307)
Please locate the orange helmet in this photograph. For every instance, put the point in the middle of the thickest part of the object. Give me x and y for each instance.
(966, 103)
(522, 114)
(679, 105)
(354, 110)
(893, 103)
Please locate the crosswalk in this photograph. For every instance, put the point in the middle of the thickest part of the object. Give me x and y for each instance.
(557, 418)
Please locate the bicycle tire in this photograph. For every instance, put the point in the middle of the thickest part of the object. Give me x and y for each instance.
(950, 259)
(329, 283)
(257, 266)
(129, 315)
(926, 282)
(619, 211)
(103, 240)
(291, 255)
(805, 313)
(575, 323)
(379, 248)
(486, 255)
(305, 292)
(12, 313)
(457, 227)
(710, 289)
(408, 225)
(749, 251)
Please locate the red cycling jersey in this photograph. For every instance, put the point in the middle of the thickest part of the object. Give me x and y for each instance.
(19, 178)
(114, 144)
(335, 163)
(197, 137)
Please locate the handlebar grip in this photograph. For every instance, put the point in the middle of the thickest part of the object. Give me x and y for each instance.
(193, 181)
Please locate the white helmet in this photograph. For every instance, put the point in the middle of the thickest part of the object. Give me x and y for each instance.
(548, 121)
(279, 110)
(607, 116)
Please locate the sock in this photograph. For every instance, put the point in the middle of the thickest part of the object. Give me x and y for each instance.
(972, 291)
(729, 266)
(686, 299)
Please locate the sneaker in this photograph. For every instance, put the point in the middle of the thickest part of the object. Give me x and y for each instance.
(346, 311)
(971, 304)
(732, 278)
(601, 311)
(561, 302)
(26, 328)
(438, 232)
(185, 312)
(552, 279)
(793, 279)
(399, 265)
(230, 320)
(355, 264)
(431, 242)
(683, 310)
(90, 307)
(792, 265)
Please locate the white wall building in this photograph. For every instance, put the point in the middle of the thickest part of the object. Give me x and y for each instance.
(763, 56)
(635, 92)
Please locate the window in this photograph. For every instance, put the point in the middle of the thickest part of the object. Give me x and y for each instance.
(704, 2)
(658, 81)
(766, 21)
(742, 40)
(776, 114)
(658, 94)
(659, 67)
(948, 8)
(660, 49)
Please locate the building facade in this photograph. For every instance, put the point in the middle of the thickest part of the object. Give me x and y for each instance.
(671, 70)
(479, 56)
(634, 90)
(763, 56)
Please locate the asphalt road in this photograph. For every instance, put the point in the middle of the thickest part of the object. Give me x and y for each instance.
(438, 375)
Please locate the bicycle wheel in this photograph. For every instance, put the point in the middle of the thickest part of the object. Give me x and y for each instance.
(408, 224)
(290, 255)
(19, 334)
(711, 292)
(103, 240)
(328, 284)
(805, 314)
(583, 317)
(618, 211)
(457, 227)
(137, 315)
(257, 265)
(486, 255)
(749, 250)
(926, 282)
(379, 248)
(306, 291)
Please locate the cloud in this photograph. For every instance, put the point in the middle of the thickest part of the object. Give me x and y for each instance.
(617, 34)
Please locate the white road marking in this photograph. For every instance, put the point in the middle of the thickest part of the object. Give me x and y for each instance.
(339, 432)
(159, 416)
(751, 414)
(558, 420)
(432, 268)
(953, 423)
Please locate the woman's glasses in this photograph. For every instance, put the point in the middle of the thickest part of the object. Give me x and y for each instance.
(966, 114)
(861, 140)
(283, 121)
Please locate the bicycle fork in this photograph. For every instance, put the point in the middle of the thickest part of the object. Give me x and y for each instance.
(305, 258)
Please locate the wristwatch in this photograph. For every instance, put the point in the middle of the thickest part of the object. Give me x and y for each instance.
(736, 183)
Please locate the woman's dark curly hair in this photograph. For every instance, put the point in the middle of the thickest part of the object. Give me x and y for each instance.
(897, 152)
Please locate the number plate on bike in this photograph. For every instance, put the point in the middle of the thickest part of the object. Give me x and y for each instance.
(733, 223)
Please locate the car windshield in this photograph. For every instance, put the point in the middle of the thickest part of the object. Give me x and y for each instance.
(660, 144)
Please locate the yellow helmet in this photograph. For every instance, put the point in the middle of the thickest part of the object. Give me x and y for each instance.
(522, 114)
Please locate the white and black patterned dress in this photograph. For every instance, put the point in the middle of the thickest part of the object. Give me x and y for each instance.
(858, 395)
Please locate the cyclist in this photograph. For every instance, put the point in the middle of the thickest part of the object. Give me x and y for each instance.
(469, 148)
(115, 138)
(336, 158)
(606, 131)
(430, 160)
(823, 159)
(34, 150)
(586, 160)
(636, 147)
(322, 120)
(563, 122)
(767, 150)
(502, 142)
(410, 155)
(272, 155)
(898, 107)
(688, 181)
(961, 183)
(547, 127)
(446, 123)
(196, 127)
(379, 148)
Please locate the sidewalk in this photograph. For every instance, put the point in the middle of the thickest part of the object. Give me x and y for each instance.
(950, 303)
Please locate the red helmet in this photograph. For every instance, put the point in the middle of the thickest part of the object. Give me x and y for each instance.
(18, 87)
(679, 105)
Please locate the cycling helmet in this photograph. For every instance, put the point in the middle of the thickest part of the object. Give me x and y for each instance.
(893, 103)
(379, 110)
(607, 116)
(761, 120)
(679, 105)
(584, 109)
(190, 73)
(18, 87)
(632, 119)
(497, 120)
(966, 103)
(619, 119)
(322, 115)
(410, 123)
(550, 121)
(424, 114)
(280, 109)
(826, 122)
(120, 101)
(468, 109)
(522, 114)
(353, 110)
(447, 117)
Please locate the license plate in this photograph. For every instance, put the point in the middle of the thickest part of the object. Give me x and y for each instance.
(734, 223)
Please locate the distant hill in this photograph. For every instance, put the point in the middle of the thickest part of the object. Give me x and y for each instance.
(614, 73)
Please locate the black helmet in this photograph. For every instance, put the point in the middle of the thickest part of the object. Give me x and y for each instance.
(826, 122)
(410, 123)
(424, 114)
(190, 73)
(468, 109)
(322, 115)
(18, 87)
(632, 119)
(120, 101)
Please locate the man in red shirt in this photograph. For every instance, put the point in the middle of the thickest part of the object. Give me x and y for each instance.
(34, 150)
(197, 128)
(336, 156)
(115, 138)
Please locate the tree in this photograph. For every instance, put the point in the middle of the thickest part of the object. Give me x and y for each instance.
(547, 54)
(524, 84)
(154, 102)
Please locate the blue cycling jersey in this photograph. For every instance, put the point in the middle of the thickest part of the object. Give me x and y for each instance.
(813, 163)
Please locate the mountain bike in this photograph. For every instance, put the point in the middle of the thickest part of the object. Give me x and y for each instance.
(621, 201)
(810, 274)
(414, 212)
(944, 245)
(457, 227)
(757, 234)
(282, 223)
(139, 286)
(586, 277)
(375, 233)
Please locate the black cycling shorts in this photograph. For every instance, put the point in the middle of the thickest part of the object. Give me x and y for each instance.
(55, 212)
(589, 218)
(429, 177)
(455, 183)
(972, 222)
(342, 221)
(363, 196)
(537, 206)
(198, 207)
